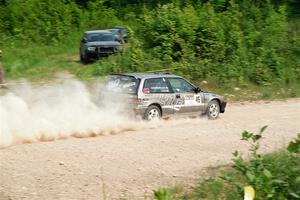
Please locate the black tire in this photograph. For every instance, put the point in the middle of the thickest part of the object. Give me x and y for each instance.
(152, 113)
(84, 58)
(81, 58)
(213, 110)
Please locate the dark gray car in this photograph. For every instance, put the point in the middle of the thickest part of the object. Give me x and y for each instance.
(159, 95)
(98, 43)
(118, 35)
(122, 31)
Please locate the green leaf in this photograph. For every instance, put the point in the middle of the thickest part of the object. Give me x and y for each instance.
(256, 137)
(235, 153)
(246, 135)
(225, 177)
(267, 173)
(270, 196)
(294, 146)
(263, 129)
(296, 196)
(279, 182)
(163, 194)
(250, 176)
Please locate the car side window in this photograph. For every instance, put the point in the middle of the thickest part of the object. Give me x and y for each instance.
(181, 85)
(156, 85)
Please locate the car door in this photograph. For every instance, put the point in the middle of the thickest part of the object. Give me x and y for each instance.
(157, 91)
(188, 100)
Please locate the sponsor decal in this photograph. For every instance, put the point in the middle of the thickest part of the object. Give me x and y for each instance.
(129, 85)
(146, 90)
(189, 97)
(148, 95)
(198, 99)
(156, 89)
(169, 99)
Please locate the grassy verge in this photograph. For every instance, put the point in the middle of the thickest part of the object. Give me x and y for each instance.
(280, 164)
(41, 63)
(251, 92)
(273, 176)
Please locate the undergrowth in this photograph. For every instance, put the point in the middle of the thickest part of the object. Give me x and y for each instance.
(273, 176)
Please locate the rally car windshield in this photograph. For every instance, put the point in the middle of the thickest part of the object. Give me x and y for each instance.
(123, 84)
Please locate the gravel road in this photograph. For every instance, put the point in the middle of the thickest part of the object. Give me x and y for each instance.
(133, 163)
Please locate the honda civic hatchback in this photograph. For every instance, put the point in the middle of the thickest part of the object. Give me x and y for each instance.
(155, 96)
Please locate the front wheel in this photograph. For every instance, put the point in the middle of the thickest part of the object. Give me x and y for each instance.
(213, 109)
(81, 58)
(152, 113)
(84, 58)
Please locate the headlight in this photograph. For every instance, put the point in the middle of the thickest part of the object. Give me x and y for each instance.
(91, 48)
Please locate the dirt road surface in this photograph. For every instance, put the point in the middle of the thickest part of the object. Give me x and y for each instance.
(131, 164)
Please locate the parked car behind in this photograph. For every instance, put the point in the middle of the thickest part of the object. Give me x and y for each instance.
(98, 43)
(159, 95)
(117, 33)
(122, 31)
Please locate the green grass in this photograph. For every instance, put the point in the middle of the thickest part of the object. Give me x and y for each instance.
(40, 63)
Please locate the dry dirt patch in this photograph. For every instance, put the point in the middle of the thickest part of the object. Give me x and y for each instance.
(133, 163)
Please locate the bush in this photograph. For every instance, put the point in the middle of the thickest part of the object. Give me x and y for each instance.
(273, 176)
(232, 42)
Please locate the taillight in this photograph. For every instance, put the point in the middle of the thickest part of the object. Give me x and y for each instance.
(133, 100)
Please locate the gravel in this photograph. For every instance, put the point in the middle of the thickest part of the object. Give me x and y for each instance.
(131, 164)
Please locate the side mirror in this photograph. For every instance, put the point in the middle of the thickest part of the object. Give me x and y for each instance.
(84, 40)
(197, 90)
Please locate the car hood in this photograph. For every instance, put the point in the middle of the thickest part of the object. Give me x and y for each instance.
(103, 43)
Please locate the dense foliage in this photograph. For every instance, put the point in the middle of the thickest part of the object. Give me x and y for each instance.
(228, 40)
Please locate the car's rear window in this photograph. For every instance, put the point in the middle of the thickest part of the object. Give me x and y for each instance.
(123, 84)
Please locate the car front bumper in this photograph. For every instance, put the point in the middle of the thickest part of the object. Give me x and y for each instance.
(101, 51)
(223, 106)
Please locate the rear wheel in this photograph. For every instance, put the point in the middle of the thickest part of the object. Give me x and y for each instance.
(213, 109)
(152, 113)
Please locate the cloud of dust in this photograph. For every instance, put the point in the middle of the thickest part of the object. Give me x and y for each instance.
(70, 108)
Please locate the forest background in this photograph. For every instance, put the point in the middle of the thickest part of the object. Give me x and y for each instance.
(229, 43)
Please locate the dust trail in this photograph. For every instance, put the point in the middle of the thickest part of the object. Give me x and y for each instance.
(70, 108)
(41, 113)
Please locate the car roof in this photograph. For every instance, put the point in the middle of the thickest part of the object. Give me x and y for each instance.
(98, 31)
(113, 29)
(118, 27)
(145, 75)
